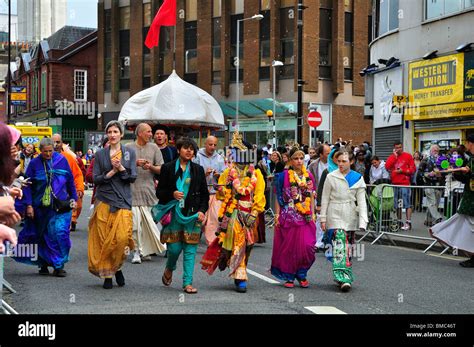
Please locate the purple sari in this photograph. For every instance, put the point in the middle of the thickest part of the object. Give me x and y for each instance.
(294, 239)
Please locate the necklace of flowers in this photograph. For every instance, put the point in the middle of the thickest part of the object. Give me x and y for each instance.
(248, 183)
(303, 184)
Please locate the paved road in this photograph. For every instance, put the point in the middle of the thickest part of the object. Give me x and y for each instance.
(388, 280)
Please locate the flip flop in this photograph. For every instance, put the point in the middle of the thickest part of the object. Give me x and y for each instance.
(189, 289)
(167, 280)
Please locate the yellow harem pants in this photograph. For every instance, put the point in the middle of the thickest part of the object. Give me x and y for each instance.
(110, 240)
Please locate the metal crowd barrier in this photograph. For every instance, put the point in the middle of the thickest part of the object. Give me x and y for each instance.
(387, 205)
(4, 307)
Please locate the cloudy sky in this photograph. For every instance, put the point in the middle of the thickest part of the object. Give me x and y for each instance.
(81, 13)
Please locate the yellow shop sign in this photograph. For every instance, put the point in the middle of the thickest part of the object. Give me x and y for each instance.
(436, 81)
(440, 111)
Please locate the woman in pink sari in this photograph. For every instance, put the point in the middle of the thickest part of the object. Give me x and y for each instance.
(295, 231)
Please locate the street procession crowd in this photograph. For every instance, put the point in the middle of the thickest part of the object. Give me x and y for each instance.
(152, 198)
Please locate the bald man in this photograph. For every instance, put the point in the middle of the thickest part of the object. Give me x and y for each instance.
(76, 172)
(149, 160)
(213, 164)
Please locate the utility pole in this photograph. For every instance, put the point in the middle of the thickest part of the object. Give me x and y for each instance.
(9, 77)
(299, 137)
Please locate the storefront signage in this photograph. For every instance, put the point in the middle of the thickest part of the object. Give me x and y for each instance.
(436, 81)
(387, 89)
(440, 111)
(469, 76)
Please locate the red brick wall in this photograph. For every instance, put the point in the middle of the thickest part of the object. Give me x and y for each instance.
(348, 122)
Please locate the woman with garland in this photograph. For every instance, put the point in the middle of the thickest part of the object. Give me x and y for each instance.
(343, 211)
(295, 236)
(242, 189)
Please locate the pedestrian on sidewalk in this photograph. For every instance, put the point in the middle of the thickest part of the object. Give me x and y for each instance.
(182, 192)
(343, 211)
(48, 224)
(401, 166)
(458, 231)
(110, 226)
(213, 165)
(146, 235)
(432, 177)
(295, 229)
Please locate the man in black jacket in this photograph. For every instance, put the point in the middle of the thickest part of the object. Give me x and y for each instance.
(182, 191)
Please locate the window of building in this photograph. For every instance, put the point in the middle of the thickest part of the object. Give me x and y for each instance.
(325, 40)
(216, 8)
(216, 50)
(233, 43)
(147, 17)
(166, 53)
(265, 5)
(287, 39)
(191, 10)
(108, 51)
(125, 18)
(237, 7)
(124, 54)
(190, 47)
(439, 8)
(80, 85)
(288, 3)
(348, 41)
(43, 88)
(386, 16)
(34, 92)
(265, 58)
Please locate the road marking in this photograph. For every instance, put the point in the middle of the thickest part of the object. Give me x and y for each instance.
(449, 257)
(324, 310)
(265, 278)
(433, 254)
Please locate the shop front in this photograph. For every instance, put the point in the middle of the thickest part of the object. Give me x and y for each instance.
(441, 96)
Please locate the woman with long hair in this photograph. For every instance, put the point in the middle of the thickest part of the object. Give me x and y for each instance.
(343, 211)
(295, 231)
(110, 226)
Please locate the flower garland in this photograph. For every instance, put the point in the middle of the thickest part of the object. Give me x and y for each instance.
(230, 202)
(304, 185)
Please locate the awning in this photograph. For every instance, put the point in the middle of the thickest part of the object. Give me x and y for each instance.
(257, 107)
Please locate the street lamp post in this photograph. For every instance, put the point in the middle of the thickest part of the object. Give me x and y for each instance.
(237, 65)
(275, 63)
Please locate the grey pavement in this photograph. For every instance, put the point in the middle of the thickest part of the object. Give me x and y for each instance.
(389, 280)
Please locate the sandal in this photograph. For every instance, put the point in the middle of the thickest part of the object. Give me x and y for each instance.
(189, 289)
(167, 280)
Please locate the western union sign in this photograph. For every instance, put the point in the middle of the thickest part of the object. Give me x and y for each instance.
(437, 81)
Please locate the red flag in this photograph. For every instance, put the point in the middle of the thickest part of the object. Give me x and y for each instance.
(166, 16)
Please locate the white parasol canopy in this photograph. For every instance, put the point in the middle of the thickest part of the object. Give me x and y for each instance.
(173, 102)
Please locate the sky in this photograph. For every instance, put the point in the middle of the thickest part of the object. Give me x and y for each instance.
(82, 13)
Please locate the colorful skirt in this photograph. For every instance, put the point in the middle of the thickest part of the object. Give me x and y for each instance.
(293, 248)
(339, 252)
(177, 232)
(110, 239)
(50, 232)
(457, 232)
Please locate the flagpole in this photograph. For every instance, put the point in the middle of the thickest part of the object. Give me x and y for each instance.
(174, 48)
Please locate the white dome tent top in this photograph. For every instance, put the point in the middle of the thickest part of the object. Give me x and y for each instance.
(173, 102)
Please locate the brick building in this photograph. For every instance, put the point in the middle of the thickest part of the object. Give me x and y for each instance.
(60, 76)
(335, 49)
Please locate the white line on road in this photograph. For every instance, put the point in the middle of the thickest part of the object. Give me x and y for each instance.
(324, 310)
(265, 278)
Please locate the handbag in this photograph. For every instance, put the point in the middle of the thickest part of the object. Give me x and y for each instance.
(61, 206)
(166, 219)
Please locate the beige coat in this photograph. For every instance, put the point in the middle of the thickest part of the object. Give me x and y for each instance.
(338, 204)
